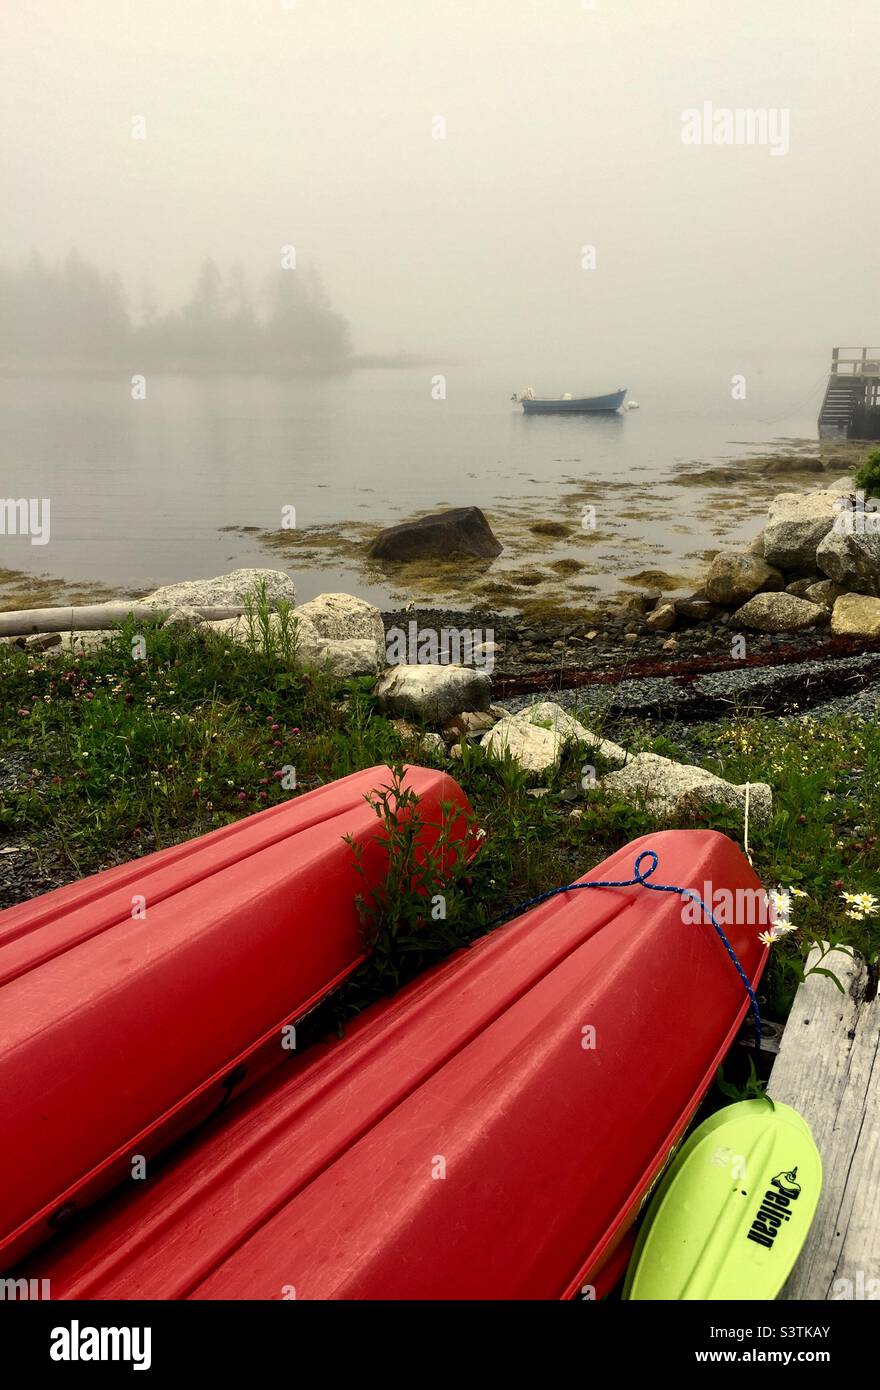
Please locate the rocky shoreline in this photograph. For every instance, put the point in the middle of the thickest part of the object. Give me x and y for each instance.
(803, 599)
(779, 629)
(607, 683)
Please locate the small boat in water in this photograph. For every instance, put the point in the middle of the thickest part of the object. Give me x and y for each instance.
(572, 405)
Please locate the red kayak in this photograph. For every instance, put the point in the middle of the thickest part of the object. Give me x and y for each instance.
(488, 1133)
(135, 1002)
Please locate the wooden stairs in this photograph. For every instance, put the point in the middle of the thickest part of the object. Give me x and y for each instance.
(852, 396)
(842, 395)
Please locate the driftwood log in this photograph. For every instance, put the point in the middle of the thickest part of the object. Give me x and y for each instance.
(94, 617)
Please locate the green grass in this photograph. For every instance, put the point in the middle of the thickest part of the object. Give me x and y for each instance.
(104, 757)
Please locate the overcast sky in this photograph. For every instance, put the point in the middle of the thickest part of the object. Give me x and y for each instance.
(313, 123)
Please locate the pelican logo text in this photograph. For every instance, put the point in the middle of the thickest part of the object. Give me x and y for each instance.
(774, 1209)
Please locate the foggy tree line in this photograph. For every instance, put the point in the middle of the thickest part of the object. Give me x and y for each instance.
(72, 314)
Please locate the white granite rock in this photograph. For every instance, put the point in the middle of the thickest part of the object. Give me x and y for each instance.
(432, 693)
(779, 613)
(342, 618)
(856, 615)
(852, 558)
(796, 524)
(533, 748)
(346, 657)
(734, 577)
(224, 590)
(675, 790)
(536, 737)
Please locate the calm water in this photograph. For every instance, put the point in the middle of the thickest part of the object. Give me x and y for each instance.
(140, 491)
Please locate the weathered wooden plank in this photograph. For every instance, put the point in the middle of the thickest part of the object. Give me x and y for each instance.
(828, 1069)
(91, 617)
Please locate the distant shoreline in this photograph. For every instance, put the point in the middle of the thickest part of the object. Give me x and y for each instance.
(360, 362)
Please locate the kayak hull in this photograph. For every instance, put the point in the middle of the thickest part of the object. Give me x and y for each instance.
(134, 1003)
(488, 1133)
(733, 1210)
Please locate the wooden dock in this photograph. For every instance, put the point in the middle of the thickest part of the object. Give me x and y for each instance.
(828, 1069)
(851, 406)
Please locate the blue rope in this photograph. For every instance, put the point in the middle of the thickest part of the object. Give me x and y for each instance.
(641, 876)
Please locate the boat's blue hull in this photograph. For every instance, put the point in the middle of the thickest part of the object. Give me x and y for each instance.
(584, 405)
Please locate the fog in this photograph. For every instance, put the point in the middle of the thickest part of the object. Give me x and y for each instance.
(61, 315)
(442, 166)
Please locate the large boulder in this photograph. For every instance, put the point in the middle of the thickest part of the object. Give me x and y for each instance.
(536, 737)
(534, 749)
(225, 590)
(856, 615)
(734, 577)
(344, 658)
(546, 714)
(779, 613)
(343, 618)
(676, 790)
(796, 523)
(852, 559)
(462, 531)
(433, 694)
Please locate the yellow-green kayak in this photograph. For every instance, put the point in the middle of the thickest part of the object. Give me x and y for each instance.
(733, 1209)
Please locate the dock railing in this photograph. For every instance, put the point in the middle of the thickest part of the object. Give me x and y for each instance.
(864, 361)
